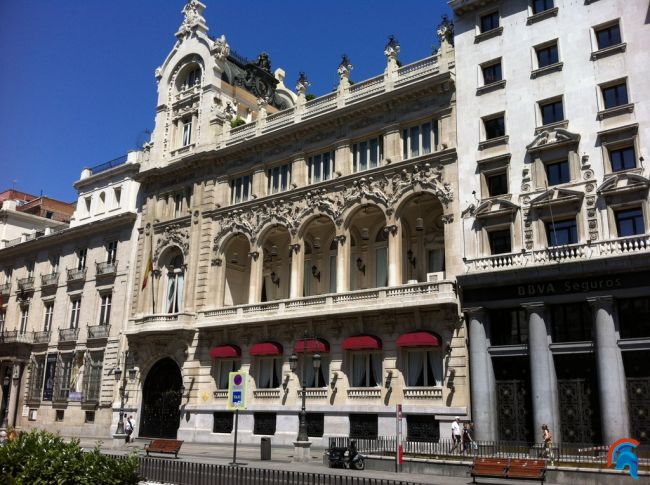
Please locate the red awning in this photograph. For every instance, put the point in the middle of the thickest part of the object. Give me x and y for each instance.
(418, 339)
(361, 342)
(225, 352)
(266, 348)
(311, 346)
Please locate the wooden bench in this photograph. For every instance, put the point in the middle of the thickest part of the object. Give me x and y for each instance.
(170, 447)
(522, 469)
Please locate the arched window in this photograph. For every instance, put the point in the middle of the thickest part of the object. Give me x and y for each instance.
(175, 285)
(192, 79)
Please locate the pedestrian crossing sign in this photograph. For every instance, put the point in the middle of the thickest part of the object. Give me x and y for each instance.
(237, 390)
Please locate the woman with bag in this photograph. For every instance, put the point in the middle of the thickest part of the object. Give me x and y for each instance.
(128, 428)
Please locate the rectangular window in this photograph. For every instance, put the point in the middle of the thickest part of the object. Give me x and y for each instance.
(24, 318)
(178, 205)
(30, 269)
(366, 369)
(74, 312)
(557, 173)
(321, 167)
(489, 22)
(422, 427)
(497, 184)
(187, 132)
(622, 159)
(279, 179)
(111, 252)
(494, 127)
(105, 309)
(264, 423)
(615, 95)
(240, 189)
(508, 326)
(92, 376)
(551, 112)
(89, 417)
(49, 313)
(633, 317)
(54, 263)
(542, 5)
(419, 140)
(571, 322)
(367, 154)
(62, 380)
(222, 422)
(224, 367)
(547, 55)
(492, 73)
(608, 36)
(3, 319)
(117, 196)
(560, 233)
(364, 426)
(268, 373)
(629, 222)
(424, 368)
(81, 258)
(314, 377)
(500, 242)
(36, 378)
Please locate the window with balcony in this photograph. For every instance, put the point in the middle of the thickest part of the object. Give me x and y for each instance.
(571, 322)
(175, 285)
(187, 131)
(366, 369)
(629, 222)
(633, 317)
(92, 376)
(608, 36)
(508, 326)
(223, 367)
(240, 189)
(500, 241)
(497, 183)
(268, 372)
(313, 377)
(111, 252)
(321, 167)
(622, 158)
(424, 368)
(551, 111)
(3, 319)
(489, 22)
(48, 315)
(495, 127)
(62, 377)
(81, 258)
(547, 55)
(24, 318)
(54, 263)
(278, 178)
(557, 172)
(367, 154)
(30, 269)
(105, 309)
(75, 311)
(492, 72)
(36, 378)
(539, 6)
(560, 233)
(614, 95)
(420, 139)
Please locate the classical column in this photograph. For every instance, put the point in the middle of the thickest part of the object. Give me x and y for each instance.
(297, 264)
(219, 263)
(343, 262)
(257, 266)
(543, 380)
(392, 143)
(395, 253)
(13, 394)
(483, 386)
(611, 374)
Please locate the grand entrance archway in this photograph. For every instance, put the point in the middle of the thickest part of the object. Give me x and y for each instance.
(161, 400)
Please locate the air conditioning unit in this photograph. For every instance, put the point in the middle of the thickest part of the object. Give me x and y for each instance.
(437, 276)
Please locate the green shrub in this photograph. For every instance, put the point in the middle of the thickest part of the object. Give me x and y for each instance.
(310, 96)
(235, 122)
(43, 458)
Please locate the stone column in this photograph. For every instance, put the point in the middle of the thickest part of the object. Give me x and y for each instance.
(392, 143)
(343, 156)
(543, 381)
(395, 253)
(611, 374)
(343, 262)
(13, 395)
(257, 266)
(297, 264)
(483, 386)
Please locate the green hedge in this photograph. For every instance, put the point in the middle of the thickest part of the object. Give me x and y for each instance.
(40, 458)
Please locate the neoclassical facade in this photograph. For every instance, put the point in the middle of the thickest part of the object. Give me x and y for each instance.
(278, 225)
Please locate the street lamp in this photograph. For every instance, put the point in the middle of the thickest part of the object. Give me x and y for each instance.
(118, 373)
(293, 364)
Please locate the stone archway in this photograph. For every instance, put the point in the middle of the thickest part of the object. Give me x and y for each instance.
(161, 400)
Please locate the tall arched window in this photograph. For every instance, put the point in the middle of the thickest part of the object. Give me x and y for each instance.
(193, 78)
(175, 285)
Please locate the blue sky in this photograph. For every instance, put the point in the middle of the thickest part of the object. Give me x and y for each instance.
(77, 86)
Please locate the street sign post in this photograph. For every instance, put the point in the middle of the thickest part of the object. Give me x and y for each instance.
(399, 455)
(236, 401)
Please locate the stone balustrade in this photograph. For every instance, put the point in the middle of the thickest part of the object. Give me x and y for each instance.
(364, 393)
(266, 393)
(313, 393)
(423, 393)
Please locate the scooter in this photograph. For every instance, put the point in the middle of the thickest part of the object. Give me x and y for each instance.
(347, 457)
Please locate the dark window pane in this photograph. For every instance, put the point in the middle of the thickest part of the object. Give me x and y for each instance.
(422, 427)
(489, 22)
(363, 426)
(500, 242)
(552, 112)
(495, 128)
(508, 326)
(634, 317)
(571, 322)
(622, 159)
(630, 222)
(542, 5)
(608, 36)
(497, 184)
(615, 95)
(561, 232)
(547, 56)
(557, 173)
(264, 423)
(492, 73)
(222, 422)
(315, 424)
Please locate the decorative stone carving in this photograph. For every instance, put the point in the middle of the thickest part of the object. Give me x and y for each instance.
(302, 84)
(173, 235)
(193, 18)
(445, 30)
(550, 137)
(220, 49)
(392, 48)
(158, 74)
(344, 67)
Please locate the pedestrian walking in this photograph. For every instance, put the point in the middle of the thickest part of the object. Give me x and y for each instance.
(130, 424)
(468, 437)
(456, 433)
(547, 436)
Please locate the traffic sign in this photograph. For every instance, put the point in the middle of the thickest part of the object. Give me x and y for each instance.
(237, 390)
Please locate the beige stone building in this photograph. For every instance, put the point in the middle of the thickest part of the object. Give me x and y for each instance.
(279, 225)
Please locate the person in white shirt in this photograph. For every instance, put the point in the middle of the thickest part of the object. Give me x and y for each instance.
(456, 433)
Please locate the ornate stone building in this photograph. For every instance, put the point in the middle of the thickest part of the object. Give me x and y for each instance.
(270, 218)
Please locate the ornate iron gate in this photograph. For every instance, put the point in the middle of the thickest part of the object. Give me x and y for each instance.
(161, 401)
(579, 414)
(638, 396)
(513, 403)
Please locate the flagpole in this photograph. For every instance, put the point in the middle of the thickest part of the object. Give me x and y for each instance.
(153, 277)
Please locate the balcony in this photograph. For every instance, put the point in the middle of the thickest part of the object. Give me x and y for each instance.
(313, 393)
(51, 279)
(561, 254)
(41, 337)
(5, 289)
(68, 334)
(364, 393)
(106, 268)
(26, 284)
(76, 275)
(266, 393)
(164, 322)
(16, 337)
(423, 393)
(98, 331)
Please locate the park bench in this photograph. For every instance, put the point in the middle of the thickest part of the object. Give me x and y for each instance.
(170, 447)
(521, 469)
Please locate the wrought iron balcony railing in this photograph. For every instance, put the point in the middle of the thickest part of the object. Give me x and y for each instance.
(76, 274)
(106, 268)
(51, 279)
(26, 284)
(5, 289)
(98, 331)
(68, 334)
(16, 337)
(41, 337)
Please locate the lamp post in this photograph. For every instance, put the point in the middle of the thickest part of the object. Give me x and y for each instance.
(293, 364)
(121, 375)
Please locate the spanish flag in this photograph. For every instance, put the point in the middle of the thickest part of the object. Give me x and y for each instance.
(147, 271)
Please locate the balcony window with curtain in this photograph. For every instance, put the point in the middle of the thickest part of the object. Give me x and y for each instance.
(424, 368)
(224, 368)
(366, 369)
(175, 286)
(268, 375)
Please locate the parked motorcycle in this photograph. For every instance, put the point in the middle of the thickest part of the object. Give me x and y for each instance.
(346, 457)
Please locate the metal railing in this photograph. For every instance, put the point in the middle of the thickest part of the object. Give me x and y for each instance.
(50, 279)
(102, 167)
(106, 268)
(76, 274)
(26, 283)
(5, 289)
(68, 334)
(98, 331)
(41, 337)
(16, 336)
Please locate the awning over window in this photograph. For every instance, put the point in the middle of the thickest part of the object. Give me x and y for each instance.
(266, 349)
(311, 345)
(225, 352)
(361, 342)
(418, 339)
